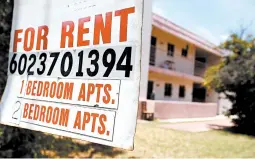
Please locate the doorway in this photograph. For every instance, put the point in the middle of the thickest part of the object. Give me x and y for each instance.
(150, 89)
(199, 93)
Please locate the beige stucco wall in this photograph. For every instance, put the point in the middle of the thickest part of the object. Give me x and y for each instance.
(182, 64)
(212, 96)
(159, 87)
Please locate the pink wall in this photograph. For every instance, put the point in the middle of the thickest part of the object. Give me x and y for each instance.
(173, 110)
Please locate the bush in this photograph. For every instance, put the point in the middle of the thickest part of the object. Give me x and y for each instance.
(238, 83)
(14, 142)
(235, 78)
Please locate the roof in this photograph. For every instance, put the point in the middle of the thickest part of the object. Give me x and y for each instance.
(184, 34)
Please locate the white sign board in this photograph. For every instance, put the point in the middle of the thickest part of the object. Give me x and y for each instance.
(74, 69)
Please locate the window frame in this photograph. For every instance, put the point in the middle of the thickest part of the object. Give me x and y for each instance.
(170, 51)
(185, 51)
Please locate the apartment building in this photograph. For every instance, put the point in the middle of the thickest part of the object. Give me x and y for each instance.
(177, 61)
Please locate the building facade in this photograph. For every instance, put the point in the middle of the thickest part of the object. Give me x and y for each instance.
(176, 63)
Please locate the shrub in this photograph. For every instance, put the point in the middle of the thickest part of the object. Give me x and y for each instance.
(235, 78)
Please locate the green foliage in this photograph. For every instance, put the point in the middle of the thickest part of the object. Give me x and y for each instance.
(14, 142)
(5, 28)
(239, 44)
(235, 77)
(212, 77)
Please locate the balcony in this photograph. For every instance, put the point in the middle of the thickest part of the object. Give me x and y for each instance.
(200, 68)
(162, 62)
(165, 58)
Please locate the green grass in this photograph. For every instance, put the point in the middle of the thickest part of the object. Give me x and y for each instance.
(152, 141)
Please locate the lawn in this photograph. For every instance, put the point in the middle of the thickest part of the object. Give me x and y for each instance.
(152, 141)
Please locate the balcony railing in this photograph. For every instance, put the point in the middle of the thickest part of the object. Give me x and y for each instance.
(167, 61)
(167, 64)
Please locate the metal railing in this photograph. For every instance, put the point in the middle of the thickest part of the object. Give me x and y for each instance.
(154, 52)
(170, 63)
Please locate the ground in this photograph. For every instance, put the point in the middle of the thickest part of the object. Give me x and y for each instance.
(153, 139)
(200, 126)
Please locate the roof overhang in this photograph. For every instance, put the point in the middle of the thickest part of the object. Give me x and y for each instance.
(184, 34)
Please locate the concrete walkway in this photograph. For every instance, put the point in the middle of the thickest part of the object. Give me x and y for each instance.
(193, 119)
(198, 125)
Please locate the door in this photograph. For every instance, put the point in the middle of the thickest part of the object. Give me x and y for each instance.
(150, 89)
(199, 93)
(153, 50)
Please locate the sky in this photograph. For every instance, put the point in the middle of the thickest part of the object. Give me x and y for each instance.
(214, 20)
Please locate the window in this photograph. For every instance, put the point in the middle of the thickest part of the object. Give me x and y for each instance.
(182, 91)
(170, 49)
(153, 50)
(168, 90)
(153, 41)
(185, 51)
(150, 90)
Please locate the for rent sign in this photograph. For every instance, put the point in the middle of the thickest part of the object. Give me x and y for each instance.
(74, 69)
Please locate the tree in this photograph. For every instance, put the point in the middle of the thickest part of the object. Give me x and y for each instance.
(5, 29)
(235, 78)
(14, 142)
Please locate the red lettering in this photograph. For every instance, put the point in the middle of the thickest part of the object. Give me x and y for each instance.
(102, 28)
(16, 39)
(43, 32)
(81, 31)
(67, 34)
(123, 14)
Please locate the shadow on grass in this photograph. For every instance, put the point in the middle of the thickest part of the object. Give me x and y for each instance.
(17, 142)
(230, 129)
(55, 146)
